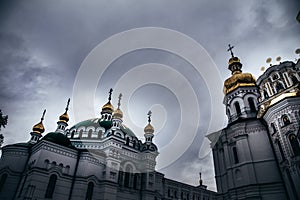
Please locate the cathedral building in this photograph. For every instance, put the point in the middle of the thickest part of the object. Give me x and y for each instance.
(257, 155)
(99, 159)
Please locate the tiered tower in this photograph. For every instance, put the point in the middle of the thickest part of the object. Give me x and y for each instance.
(245, 165)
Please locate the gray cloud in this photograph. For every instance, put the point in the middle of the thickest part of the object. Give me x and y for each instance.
(44, 42)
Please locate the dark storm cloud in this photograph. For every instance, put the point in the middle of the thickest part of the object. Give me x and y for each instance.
(42, 44)
(22, 75)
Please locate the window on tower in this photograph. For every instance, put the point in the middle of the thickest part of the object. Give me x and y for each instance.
(251, 104)
(51, 186)
(235, 155)
(89, 192)
(2, 181)
(237, 108)
(285, 120)
(294, 144)
(273, 129)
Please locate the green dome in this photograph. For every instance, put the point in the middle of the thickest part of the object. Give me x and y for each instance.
(58, 138)
(104, 124)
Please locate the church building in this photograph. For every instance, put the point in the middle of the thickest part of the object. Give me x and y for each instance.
(257, 155)
(97, 159)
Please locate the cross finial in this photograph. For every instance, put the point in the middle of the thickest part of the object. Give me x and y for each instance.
(200, 174)
(230, 49)
(119, 102)
(43, 115)
(110, 93)
(149, 116)
(67, 108)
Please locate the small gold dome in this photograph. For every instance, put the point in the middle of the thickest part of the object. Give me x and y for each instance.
(233, 60)
(118, 114)
(238, 79)
(149, 129)
(108, 107)
(39, 128)
(64, 117)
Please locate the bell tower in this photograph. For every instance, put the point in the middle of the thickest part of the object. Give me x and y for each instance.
(243, 157)
(240, 91)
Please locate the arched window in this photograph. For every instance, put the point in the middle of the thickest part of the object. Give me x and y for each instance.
(237, 108)
(266, 94)
(127, 141)
(295, 144)
(72, 134)
(251, 104)
(128, 172)
(120, 181)
(46, 163)
(294, 79)
(90, 133)
(100, 134)
(285, 120)
(51, 186)
(135, 181)
(89, 191)
(279, 86)
(2, 181)
(235, 155)
(273, 129)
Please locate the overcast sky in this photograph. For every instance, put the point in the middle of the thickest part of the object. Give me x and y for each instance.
(43, 45)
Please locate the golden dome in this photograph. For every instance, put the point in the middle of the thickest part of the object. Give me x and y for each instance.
(64, 117)
(149, 129)
(108, 107)
(118, 114)
(39, 127)
(233, 60)
(238, 79)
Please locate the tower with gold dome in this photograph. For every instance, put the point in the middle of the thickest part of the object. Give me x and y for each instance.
(240, 92)
(245, 165)
(37, 130)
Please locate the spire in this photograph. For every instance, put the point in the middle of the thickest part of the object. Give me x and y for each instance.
(149, 116)
(63, 120)
(234, 64)
(39, 127)
(119, 100)
(65, 117)
(110, 93)
(200, 179)
(118, 114)
(108, 107)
